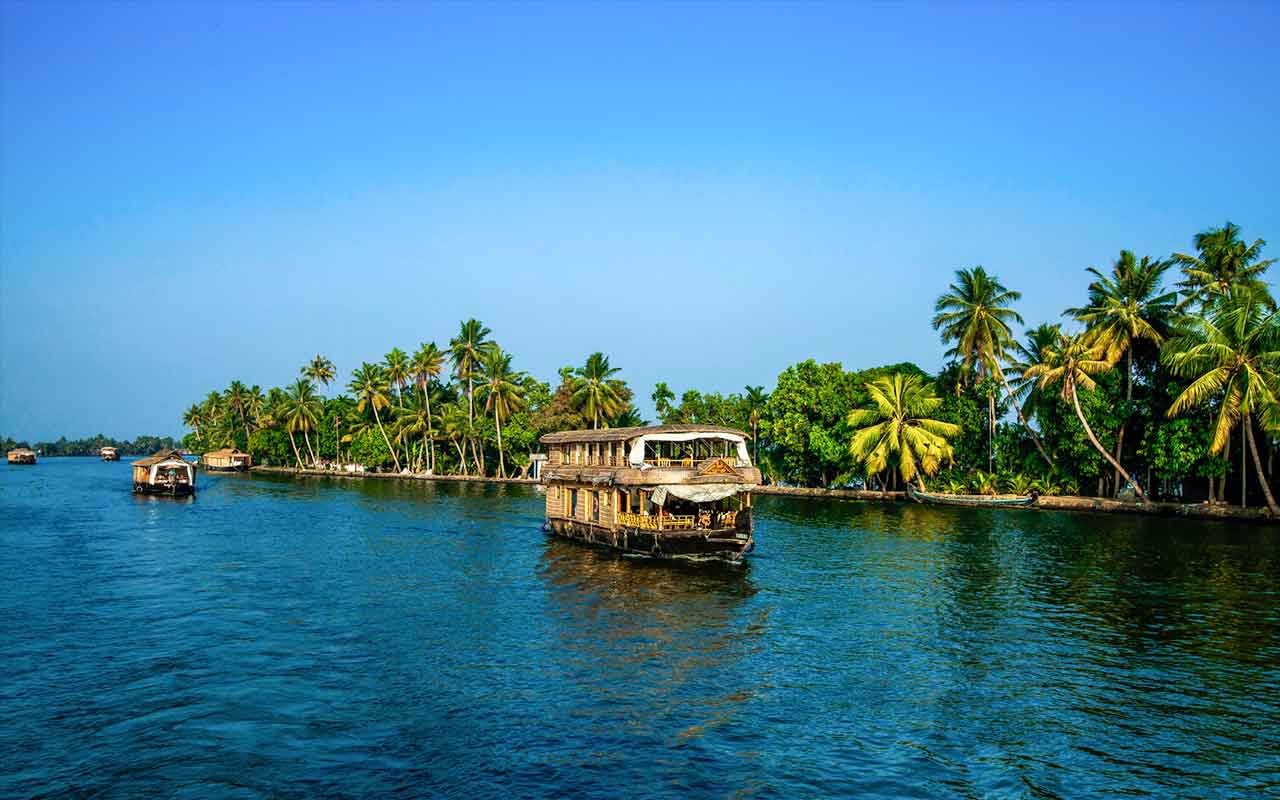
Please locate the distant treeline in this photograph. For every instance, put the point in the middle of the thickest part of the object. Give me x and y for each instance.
(91, 446)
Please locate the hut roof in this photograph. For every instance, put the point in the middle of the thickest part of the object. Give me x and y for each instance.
(623, 434)
(22, 451)
(226, 451)
(157, 457)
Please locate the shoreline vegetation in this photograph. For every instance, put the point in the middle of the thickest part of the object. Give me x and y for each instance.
(1163, 384)
(1052, 503)
(141, 445)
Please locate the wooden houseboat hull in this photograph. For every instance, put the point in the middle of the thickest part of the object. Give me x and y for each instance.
(724, 545)
(236, 468)
(111, 458)
(175, 490)
(24, 460)
(971, 500)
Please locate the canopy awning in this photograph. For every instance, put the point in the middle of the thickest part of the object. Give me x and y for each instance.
(698, 493)
(636, 458)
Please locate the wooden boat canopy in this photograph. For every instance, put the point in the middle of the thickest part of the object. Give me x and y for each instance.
(227, 458)
(623, 434)
(165, 471)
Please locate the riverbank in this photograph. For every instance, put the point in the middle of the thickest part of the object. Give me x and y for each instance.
(1093, 505)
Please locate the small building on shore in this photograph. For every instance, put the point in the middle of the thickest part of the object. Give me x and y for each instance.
(21, 455)
(164, 472)
(228, 459)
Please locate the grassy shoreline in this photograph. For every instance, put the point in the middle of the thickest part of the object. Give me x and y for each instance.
(1048, 503)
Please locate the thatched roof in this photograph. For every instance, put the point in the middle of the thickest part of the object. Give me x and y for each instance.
(623, 434)
(226, 452)
(157, 457)
(22, 451)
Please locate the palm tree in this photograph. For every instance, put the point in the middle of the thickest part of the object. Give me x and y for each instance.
(302, 411)
(1232, 356)
(1072, 362)
(396, 364)
(369, 385)
(1124, 307)
(897, 427)
(237, 396)
(193, 418)
(1026, 355)
(503, 391)
(1223, 262)
(662, 397)
(755, 399)
(974, 316)
(320, 370)
(595, 390)
(455, 427)
(426, 365)
(467, 351)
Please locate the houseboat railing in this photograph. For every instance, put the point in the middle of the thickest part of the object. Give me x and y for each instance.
(653, 522)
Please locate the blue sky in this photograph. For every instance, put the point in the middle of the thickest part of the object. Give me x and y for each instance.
(191, 194)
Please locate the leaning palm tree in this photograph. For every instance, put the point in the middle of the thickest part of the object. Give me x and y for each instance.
(897, 428)
(595, 390)
(974, 317)
(1023, 357)
(503, 391)
(1124, 307)
(1071, 362)
(369, 385)
(1222, 262)
(755, 398)
(426, 365)
(455, 427)
(414, 422)
(193, 418)
(302, 411)
(1232, 357)
(467, 351)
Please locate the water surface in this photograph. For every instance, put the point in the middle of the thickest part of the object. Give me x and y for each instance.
(298, 638)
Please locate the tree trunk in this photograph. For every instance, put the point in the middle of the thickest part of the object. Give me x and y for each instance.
(462, 457)
(1013, 401)
(431, 458)
(1244, 473)
(395, 458)
(306, 437)
(1075, 401)
(991, 432)
(497, 422)
(296, 454)
(1257, 465)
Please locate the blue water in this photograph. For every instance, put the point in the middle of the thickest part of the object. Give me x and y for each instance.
(303, 638)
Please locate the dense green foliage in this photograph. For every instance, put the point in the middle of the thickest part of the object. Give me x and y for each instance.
(142, 445)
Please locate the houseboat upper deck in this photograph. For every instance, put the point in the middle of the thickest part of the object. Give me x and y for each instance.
(663, 490)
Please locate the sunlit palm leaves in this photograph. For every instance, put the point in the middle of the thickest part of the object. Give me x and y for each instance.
(595, 391)
(897, 431)
(369, 384)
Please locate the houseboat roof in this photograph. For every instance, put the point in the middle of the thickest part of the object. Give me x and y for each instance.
(106, 447)
(227, 451)
(22, 451)
(157, 457)
(623, 434)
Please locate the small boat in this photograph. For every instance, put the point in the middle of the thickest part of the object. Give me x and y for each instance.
(666, 491)
(228, 459)
(21, 455)
(109, 454)
(972, 500)
(165, 472)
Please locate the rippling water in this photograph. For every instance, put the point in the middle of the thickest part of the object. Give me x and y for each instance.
(298, 638)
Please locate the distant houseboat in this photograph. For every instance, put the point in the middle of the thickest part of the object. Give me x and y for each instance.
(165, 472)
(109, 454)
(21, 455)
(228, 459)
(667, 491)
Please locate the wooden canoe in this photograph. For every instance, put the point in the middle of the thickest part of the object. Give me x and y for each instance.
(972, 500)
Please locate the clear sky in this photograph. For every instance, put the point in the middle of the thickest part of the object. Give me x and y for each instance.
(191, 194)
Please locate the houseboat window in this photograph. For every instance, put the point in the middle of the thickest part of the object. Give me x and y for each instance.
(595, 506)
(571, 503)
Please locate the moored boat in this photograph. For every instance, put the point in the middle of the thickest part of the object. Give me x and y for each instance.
(109, 454)
(668, 491)
(164, 472)
(21, 455)
(228, 459)
(972, 500)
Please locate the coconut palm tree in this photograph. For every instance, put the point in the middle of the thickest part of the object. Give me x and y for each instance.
(320, 370)
(236, 397)
(662, 398)
(755, 398)
(1071, 363)
(897, 427)
(467, 351)
(1124, 307)
(302, 411)
(1026, 355)
(595, 390)
(503, 391)
(1232, 357)
(455, 427)
(975, 318)
(1222, 262)
(426, 365)
(193, 418)
(369, 385)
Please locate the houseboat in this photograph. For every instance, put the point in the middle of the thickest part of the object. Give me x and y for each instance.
(109, 454)
(669, 491)
(165, 472)
(228, 459)
(21, 455)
